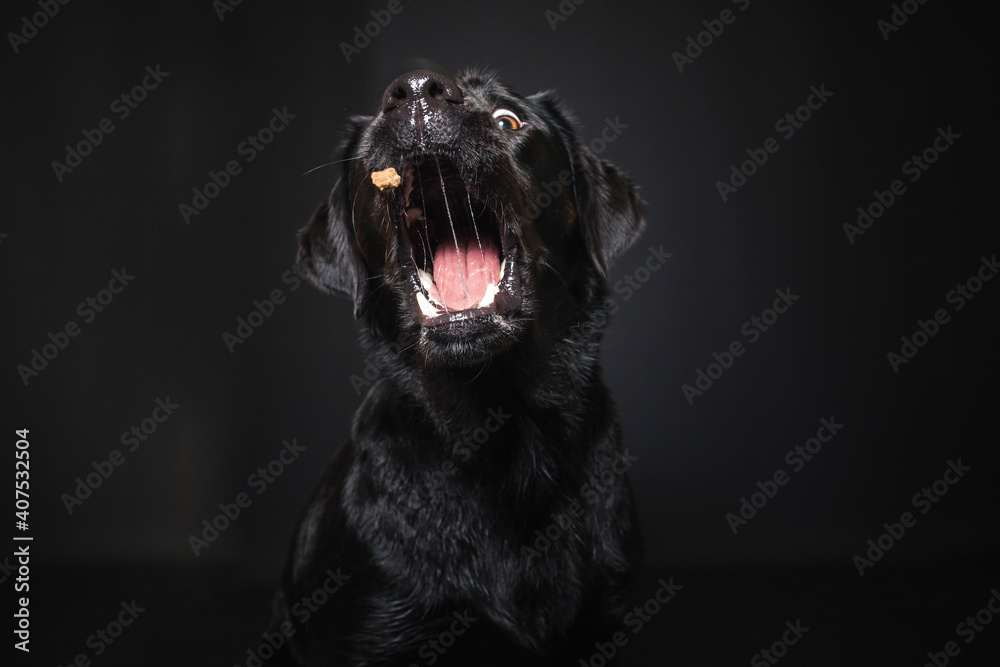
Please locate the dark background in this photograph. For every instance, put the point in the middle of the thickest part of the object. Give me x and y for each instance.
(825, 357)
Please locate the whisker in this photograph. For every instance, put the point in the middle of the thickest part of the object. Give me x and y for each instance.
(468, 198)
(454, 234)
(546, 264)
(354, 222)
(328, 164)
(389, 248)
(572, 169)
(426, 232)
(416, 342)
(486, 365)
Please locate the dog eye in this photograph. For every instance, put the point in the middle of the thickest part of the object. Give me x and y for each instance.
(506, 119)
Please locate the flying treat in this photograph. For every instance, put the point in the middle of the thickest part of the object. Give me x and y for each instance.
(387, 178)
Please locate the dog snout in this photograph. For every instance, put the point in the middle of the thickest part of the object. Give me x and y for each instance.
(419, 93)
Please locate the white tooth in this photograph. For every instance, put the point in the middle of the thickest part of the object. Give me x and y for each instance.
(503, 265)
(491, 292)
(425, 306)
(425, 279)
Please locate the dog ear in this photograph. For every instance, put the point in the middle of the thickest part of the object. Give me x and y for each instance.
(611, 212)
(328, 251)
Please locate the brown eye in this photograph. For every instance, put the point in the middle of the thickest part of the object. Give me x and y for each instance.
(506, 119)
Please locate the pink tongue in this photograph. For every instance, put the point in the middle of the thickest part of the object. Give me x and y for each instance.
(462, 274)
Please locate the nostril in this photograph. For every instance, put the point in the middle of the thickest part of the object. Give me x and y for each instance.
(443, 89)
(435, 90)
(395, 97)
(417, 85)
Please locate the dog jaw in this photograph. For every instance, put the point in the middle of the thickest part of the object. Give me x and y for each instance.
(455, 251)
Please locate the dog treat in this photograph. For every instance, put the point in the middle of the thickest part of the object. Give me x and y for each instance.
(387, 178)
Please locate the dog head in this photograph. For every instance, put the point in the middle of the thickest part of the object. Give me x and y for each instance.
(502, 227)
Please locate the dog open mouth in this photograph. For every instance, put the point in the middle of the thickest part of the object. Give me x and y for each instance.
(458, 255)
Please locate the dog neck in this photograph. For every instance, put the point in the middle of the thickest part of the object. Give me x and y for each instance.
(549, 379)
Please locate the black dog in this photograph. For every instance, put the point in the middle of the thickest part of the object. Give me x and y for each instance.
(479, 513)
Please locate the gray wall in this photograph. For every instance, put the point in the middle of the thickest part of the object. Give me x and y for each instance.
(162, 335)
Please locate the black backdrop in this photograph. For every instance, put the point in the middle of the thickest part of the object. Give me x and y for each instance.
(221, 76)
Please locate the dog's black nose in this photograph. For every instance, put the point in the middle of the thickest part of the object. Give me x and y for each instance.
(421, 87)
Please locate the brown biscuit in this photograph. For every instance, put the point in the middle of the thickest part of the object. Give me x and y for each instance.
(387, 178)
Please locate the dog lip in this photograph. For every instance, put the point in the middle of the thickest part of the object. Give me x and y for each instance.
(507, 296)
(457, 316)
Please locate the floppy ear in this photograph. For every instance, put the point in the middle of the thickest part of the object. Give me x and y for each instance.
(328, 254)
(611, 212)
(328, 247)
(613, 215)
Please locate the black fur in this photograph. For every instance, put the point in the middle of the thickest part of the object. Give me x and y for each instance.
(420, 520)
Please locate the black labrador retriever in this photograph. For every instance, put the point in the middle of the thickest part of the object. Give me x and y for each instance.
(479, 514)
